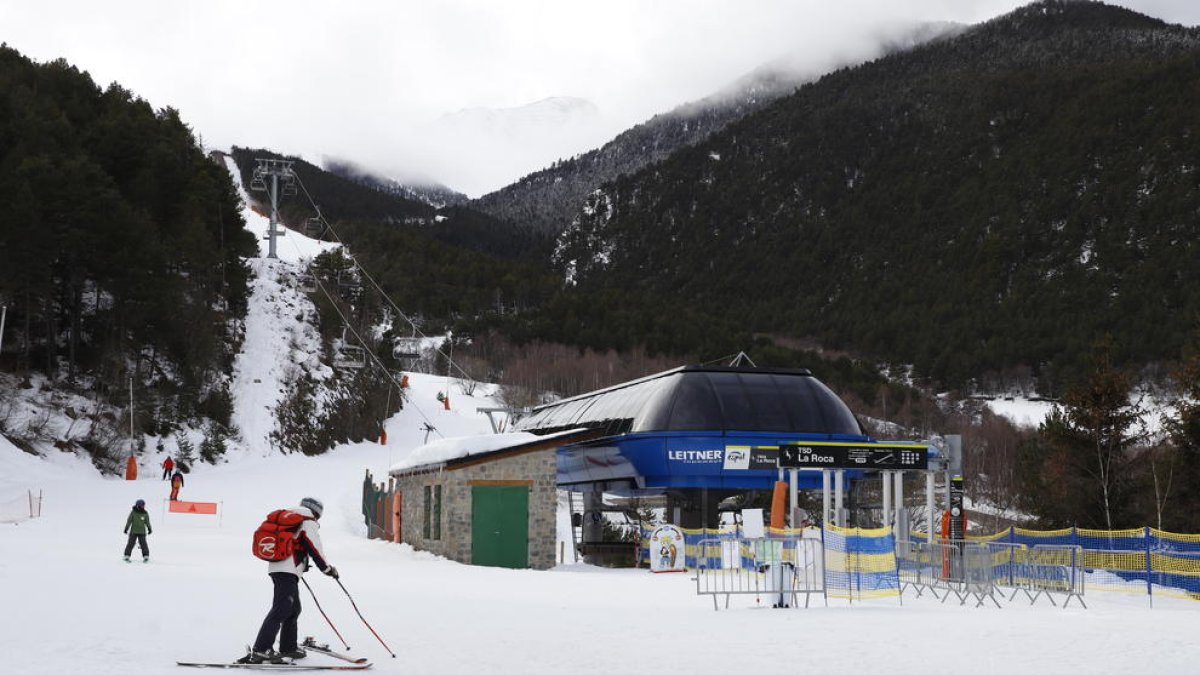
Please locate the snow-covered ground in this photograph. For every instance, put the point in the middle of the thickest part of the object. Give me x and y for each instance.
(70, 605)
(1025, 412)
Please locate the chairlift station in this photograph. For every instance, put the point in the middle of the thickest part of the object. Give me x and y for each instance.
(695, 435)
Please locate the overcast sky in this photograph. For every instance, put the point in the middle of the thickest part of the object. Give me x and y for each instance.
(384, 83)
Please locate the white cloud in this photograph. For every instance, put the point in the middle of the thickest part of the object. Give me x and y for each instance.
(368, 81)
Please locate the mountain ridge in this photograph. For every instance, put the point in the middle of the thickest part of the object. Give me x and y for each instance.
(547, 199)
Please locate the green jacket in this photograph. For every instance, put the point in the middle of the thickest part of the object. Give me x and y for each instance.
(138, 522)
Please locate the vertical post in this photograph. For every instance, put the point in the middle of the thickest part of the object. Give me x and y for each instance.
(887, 497)
(793, 498)
(3, 316)
(929, 489)
(957, 530)
(131, 416)
(901, 530)
(839, 482)
(274, 216)
(1149, 567)
(826, 498)
(593, 529)
(953, 460)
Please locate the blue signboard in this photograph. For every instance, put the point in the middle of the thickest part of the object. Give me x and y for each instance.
(664, 460)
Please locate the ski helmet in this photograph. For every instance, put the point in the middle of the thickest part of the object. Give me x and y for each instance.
(313, 504)
(140, 503)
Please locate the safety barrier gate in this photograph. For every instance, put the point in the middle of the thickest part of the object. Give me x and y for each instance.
(964, 571)
(775, 571)
(980, 570)
(1053, 570)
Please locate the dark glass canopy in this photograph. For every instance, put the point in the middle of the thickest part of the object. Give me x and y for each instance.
(702, 398)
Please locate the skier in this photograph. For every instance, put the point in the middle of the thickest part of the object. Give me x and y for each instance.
(137, 526)
(167, 465)
(176, 483)
(282, 619)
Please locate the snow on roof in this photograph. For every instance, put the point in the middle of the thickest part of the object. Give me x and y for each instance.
(447, 449)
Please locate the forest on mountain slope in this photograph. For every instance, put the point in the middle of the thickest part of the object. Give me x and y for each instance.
(490, 283)
(121, 249)
(992, 202)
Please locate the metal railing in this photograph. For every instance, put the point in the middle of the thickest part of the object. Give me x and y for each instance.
(778, 570)
(1053, 570)
(960, 569)
(978, 569)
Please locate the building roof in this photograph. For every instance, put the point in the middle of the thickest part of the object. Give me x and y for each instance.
(462, 451)
(708, 398)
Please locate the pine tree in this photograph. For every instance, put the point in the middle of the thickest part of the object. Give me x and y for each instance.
(1094, 432)
(186, 454)
(212, 448)
(1183, 429)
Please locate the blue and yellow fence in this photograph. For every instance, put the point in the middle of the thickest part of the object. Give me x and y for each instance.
(1141, 560)
(860, 563)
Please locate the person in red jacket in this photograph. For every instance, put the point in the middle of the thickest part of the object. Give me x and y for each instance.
(167, 465)
(176, 483)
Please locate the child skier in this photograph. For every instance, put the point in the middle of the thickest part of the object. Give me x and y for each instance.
(176, 483)
(167, 465)
(137, 526)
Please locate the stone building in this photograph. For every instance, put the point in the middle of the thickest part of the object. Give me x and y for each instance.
(494, 507)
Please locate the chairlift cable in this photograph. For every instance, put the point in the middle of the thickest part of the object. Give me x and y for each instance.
(375, 284)
(362, 343)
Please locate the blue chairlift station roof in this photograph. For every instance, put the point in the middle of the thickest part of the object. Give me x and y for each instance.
(694, 427)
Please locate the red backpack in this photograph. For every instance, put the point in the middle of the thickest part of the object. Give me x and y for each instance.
(275, 539)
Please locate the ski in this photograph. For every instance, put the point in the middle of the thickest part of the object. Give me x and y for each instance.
(276, 665)
(312, 645)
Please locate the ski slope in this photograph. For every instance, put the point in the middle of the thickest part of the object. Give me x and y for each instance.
(71, 605)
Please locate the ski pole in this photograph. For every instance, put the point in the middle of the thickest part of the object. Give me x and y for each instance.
(314, 597)
(389, 650)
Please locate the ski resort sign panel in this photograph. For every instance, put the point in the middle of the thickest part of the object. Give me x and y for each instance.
(886, 456)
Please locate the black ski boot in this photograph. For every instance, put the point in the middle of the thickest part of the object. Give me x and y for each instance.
(269, 656)
(293, 653)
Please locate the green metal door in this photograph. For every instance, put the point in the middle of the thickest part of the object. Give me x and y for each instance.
(500, 526)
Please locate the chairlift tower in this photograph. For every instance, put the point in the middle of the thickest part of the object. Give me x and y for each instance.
(282, 179)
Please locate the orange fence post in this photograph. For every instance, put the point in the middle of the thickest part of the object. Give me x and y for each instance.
(396, 503)
(131, 468)
(779, 506)
(945, 538)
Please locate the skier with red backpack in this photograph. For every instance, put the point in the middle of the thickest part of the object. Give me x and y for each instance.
(289, 539)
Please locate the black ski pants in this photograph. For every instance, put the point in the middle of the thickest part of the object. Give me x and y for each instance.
(141, 542)
(284, 615)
